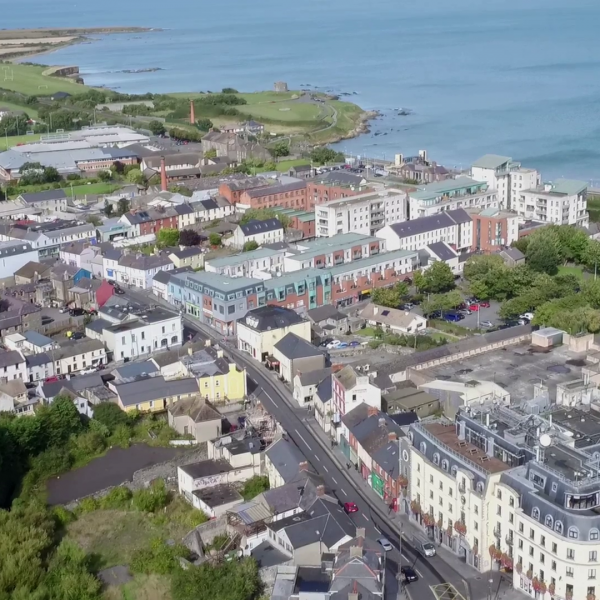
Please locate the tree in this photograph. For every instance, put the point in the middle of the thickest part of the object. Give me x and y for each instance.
(254, 486)
(229, 580)
(94, 220)
(123, 206)
(279, 149)
(386, 297)
(323, 155)
(110, 415)
(181, 189)
(105, 176)
(591, 256)
(177, 133)
(573, 243)
(108, 208)
(249, 246)
(211, 153)
(262, 214)
(157, 128)
(204, 124)
(419, 280)
(214, 239)
(51, 175)
(542, 255)
(438, 278)
(61, 420)
(479, 265)
(135, 176)
(229, 90)
(189, 237)
(168, 237)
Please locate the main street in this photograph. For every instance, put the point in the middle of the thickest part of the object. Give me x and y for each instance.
(371, 515)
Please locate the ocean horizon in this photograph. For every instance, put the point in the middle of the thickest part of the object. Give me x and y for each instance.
(513, 78)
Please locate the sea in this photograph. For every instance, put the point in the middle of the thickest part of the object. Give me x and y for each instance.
(514, 77)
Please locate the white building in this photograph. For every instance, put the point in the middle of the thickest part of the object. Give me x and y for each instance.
(454, 227)
(563, 202)
(156, 329)
(440, 251)
(450, 194)
(78, 356)
(256, 264)
(39, 367)
(137, 270)
(15, 254)
(504, 176)
(393, 319)
(349, 388)
(78, 254)
(364, 213)
(269, 231)
(210, 209)
(12, 366)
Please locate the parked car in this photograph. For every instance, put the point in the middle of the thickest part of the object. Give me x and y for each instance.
(409, 574)
(436, 314)
(333, 344)
(342, 345)
(385, 544)
(52, 379)
(486, 324)
(473, 307)
(350, 507)
(47, 320)
(528, 315)
(453, 317)
(484, 304)
(354, 344)
(76, 312)
(523, 321)
(63, 310)
(77, 335)
(118, 290)
(87, 371)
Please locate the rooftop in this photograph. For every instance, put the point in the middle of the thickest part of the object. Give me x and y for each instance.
(492, 161)
(294, 347)
(434, 191)
(220, 282)
(206, 468)
(229, 261)
(375, 259)
(218, 495)
(266, 318)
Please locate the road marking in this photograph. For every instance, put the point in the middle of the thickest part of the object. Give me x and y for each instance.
(317, 458)
(334, 480)
(365, 517)
(326, 469)
(300, 436)
(419, 573)
(377, 529)
(343, 491)
(271, 399)
(404, 557)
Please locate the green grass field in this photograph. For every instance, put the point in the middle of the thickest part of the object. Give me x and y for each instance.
(577, 271)
(93, 188)
(13, 140)
(593, 206)
(29, 80)
(32, 112)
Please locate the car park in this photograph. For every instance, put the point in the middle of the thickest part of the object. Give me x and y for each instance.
(385, 544)
(409, 574)
(473, 307)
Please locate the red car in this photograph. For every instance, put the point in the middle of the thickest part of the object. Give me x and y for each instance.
(51, 379)
(484, 304)
(350, 507)
(474, 307)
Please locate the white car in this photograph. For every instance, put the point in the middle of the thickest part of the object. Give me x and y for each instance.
(486, 324)
(333, 344)
(528, 315)
(385, 544)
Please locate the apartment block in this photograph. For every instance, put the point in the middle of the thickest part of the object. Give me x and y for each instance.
(451, 194)
(493, 228)
(364, 213)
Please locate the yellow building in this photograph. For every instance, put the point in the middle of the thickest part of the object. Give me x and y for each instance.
(218, 378)
(153, 394)
(187, 257)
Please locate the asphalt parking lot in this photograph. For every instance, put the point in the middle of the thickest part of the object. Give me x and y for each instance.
(473, 320)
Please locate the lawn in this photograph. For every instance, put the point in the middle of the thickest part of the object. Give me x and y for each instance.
(14, 140)
(30, 80)
(577, 271)
(367, 332)
(32, 112)
(142, 587)
(93, 188)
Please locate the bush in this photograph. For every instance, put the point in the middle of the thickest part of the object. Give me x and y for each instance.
(151, 499)
(255, 486)
(88, 505)
(121, 436)
(89, 443)
(110, 415)
(158, 558)
(63, 516)
(117, 498)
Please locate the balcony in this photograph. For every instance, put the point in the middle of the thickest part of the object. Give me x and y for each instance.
(510, 540)
(497, 532)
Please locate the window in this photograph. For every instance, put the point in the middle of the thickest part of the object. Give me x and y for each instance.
(553, 565)
(480, 487)
(542, 558)
(593, 534)
(535, 513)
(593, 556)
(431, 495)
(520, 527)
(530, 550)
(445, 465)
(476, 509)
(591, 573)
(431, 479)
(531, 534)
(499, 511)
(499, 494)
(436, 459)
(558, 527)
(422, 447)
(573, 533)
(569, 571)
(542, 540)
(570, 554)
(520, 544)
(554, 547)
(511, 502)
(442, 486)
(453, 471)
(549, 521)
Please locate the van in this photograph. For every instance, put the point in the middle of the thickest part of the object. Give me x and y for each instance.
(423, 545)
(453, 317)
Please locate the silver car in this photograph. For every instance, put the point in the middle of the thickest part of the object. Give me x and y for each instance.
(385, 544)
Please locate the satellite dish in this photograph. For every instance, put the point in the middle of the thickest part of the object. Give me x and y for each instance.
(545, 440)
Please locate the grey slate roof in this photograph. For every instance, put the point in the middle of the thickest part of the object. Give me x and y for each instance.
(513, 253)
(324, 390)
(292, 347)
(431, 223)
(37, 360)
(442, 251)
(154, 388)
(327, 311)
(340, 177)
(388, 458)
(266, 318)
(276, 189)
(187, 252)
(133, 370)
(10, 357)
(459, 215)
(286, 458)
(44, 196)
(253, 227)
(98, 325)
(315, 377)
(37, 339)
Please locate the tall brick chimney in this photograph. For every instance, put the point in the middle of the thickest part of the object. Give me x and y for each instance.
(192, 113)
(163, 174)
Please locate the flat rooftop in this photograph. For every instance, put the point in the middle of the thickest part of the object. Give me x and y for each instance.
(585, 425)
(447, 435)
(516, 369)
(218, 495)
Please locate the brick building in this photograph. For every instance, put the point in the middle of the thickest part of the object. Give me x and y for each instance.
(493, 228)
(286, 195)
(232, 190)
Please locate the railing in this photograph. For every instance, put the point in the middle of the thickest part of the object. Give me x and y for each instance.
(510, 540)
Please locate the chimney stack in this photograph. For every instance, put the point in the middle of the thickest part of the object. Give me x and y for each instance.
(361, 532)
(303, 466)
(372, 411)
(192, 113)
(163, 174)
(355, 552)
(391, 436)
(320, 490)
